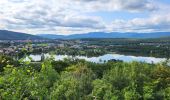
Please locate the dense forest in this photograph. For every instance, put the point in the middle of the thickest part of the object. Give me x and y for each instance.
(73, 79)
(159, 47)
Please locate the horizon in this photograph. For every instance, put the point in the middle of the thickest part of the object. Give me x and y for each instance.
(90, 33)
(83, 16)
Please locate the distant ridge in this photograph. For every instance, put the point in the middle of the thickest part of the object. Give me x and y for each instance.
(10, 35)
(108, 35)
(52, 36)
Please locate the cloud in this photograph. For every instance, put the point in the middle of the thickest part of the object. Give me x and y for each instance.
(70, 16)
(42, 14)
(138, 5)
(151, 24)
(117, 5)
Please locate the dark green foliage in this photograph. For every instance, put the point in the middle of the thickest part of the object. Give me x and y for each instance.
(159, 47)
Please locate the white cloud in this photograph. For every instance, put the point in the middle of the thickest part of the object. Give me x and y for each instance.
(153, 23)
(42, 14)
(69, 16)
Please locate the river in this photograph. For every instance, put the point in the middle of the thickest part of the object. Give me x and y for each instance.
(106, 57)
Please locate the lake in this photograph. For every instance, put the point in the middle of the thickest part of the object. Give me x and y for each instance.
(106, 57)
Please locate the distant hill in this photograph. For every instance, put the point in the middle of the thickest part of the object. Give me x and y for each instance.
(52, 36)
(107, 35)
(10, 35)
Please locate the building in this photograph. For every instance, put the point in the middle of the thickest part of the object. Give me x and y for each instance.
(61, 45)
(1, 51)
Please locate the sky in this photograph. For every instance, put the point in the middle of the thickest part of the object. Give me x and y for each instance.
(67, 17)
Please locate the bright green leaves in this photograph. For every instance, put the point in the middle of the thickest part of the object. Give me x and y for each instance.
(66, 89)
(74, 84)
(133, 81)
(25, 82)
(103, 90)
(80, 80)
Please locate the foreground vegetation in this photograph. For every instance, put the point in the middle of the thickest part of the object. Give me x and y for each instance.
(80, 80)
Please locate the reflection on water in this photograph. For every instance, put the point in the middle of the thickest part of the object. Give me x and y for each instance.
(105, 57)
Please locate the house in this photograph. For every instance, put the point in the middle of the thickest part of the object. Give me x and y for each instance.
(76, 47)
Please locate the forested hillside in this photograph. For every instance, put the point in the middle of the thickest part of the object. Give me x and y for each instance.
(108, 35)
(80, 80)
(9, 35)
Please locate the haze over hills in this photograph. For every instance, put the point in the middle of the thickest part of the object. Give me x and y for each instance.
(10, 35)
(108, 35)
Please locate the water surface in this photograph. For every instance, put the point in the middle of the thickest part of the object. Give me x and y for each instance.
(106, 57)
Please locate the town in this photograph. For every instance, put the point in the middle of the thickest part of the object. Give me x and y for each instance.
(87, 47)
